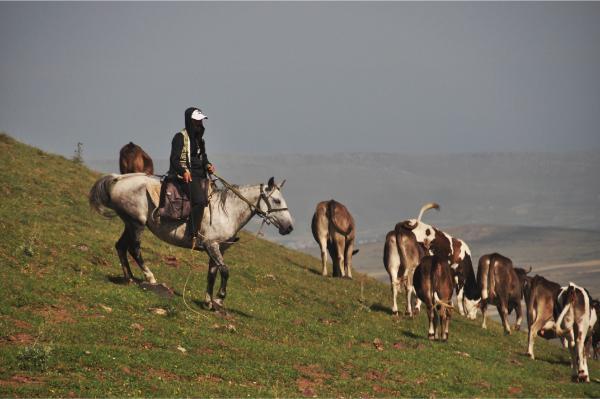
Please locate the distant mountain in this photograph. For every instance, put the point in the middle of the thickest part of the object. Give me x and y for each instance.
(525, 189)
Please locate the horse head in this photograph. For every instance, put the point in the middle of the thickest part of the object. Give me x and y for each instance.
(273, 204)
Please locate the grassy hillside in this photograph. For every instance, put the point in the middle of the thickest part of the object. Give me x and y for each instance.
(68, 328)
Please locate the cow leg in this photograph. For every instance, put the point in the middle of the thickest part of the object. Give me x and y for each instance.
(121, 247)
(446, 324)
(348, 258)
(340, 244)
(459, 299)
(410, 290)
(432, 322)
(573, 351)
(323, 246)
(533, 330)
(582, 372)
(519, 311)
(391, 261)
(484, 306)
(503, 311)
(136, 230)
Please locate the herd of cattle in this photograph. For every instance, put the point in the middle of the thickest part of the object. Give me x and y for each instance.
(430, 266)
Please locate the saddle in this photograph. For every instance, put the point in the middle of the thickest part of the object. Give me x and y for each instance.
(174, 200)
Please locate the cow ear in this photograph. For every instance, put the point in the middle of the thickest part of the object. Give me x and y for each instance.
(271, 183)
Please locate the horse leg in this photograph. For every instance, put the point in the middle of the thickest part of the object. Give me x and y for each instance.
(214, 265)
(224, 270)
(136, 230)
(121, 247)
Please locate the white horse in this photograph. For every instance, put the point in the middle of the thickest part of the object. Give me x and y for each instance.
(134, 197)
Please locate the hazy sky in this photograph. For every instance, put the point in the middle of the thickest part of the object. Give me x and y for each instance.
(302, 77)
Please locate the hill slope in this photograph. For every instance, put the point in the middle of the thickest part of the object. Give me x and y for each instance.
(68, 328)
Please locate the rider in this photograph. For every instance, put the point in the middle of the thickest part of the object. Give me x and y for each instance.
(190, 164)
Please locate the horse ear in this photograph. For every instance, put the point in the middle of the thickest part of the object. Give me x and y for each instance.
(271, 183)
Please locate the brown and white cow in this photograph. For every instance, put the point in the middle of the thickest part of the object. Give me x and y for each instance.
(540, 299)
(433, 282)
(334, 230)
(502, 285)
(402, 253)
(575, 321)
(132, 159)
(415, 239)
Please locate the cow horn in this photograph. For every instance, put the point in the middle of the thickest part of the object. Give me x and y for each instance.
(529, 271)
(281, 185)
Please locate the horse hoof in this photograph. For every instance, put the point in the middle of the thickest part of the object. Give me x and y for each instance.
(395, 313)
(208, 305)
(431, 337)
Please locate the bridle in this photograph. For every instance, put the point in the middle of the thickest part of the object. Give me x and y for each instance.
(266, 215)
(256, 209)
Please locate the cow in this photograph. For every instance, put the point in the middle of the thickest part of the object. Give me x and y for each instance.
(433, 282)
(577, 317)
(132, 159)
(409, 242)
(540, 299)
(594, 335)
(502, 285)
(334, 230)
(402, 253)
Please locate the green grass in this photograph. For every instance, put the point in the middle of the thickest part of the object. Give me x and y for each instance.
(289, 332)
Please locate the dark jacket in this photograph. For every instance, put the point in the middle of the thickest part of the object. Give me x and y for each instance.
(198, 161)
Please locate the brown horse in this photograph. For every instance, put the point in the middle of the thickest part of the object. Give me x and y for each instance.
(132, 159)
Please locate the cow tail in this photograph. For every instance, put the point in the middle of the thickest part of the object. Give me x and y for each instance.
(332, 225)
(426, 207)
(492, 278)
(99, 196)
(570, 299)
(483, 278)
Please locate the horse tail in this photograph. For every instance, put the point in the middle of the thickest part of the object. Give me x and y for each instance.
(99, 196)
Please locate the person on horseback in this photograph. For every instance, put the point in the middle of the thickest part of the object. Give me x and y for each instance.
(189, 163)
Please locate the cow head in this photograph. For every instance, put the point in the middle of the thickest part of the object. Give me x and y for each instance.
(470, 307)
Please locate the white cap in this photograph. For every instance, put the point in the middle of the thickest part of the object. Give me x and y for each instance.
(197, 115)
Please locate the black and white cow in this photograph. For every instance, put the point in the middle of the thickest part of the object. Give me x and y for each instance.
(575, 322)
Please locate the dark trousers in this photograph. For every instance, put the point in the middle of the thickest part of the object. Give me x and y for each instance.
(198, 194)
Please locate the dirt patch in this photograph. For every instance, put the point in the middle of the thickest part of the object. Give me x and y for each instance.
(515, 390)
(374, 375)
(171, 261)
(209, 378)
(17, 380)
(383, 390)
(159, 289)
(313, 371)
(306, 387)
(163, 375)
(55, 315)
(17, 339)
